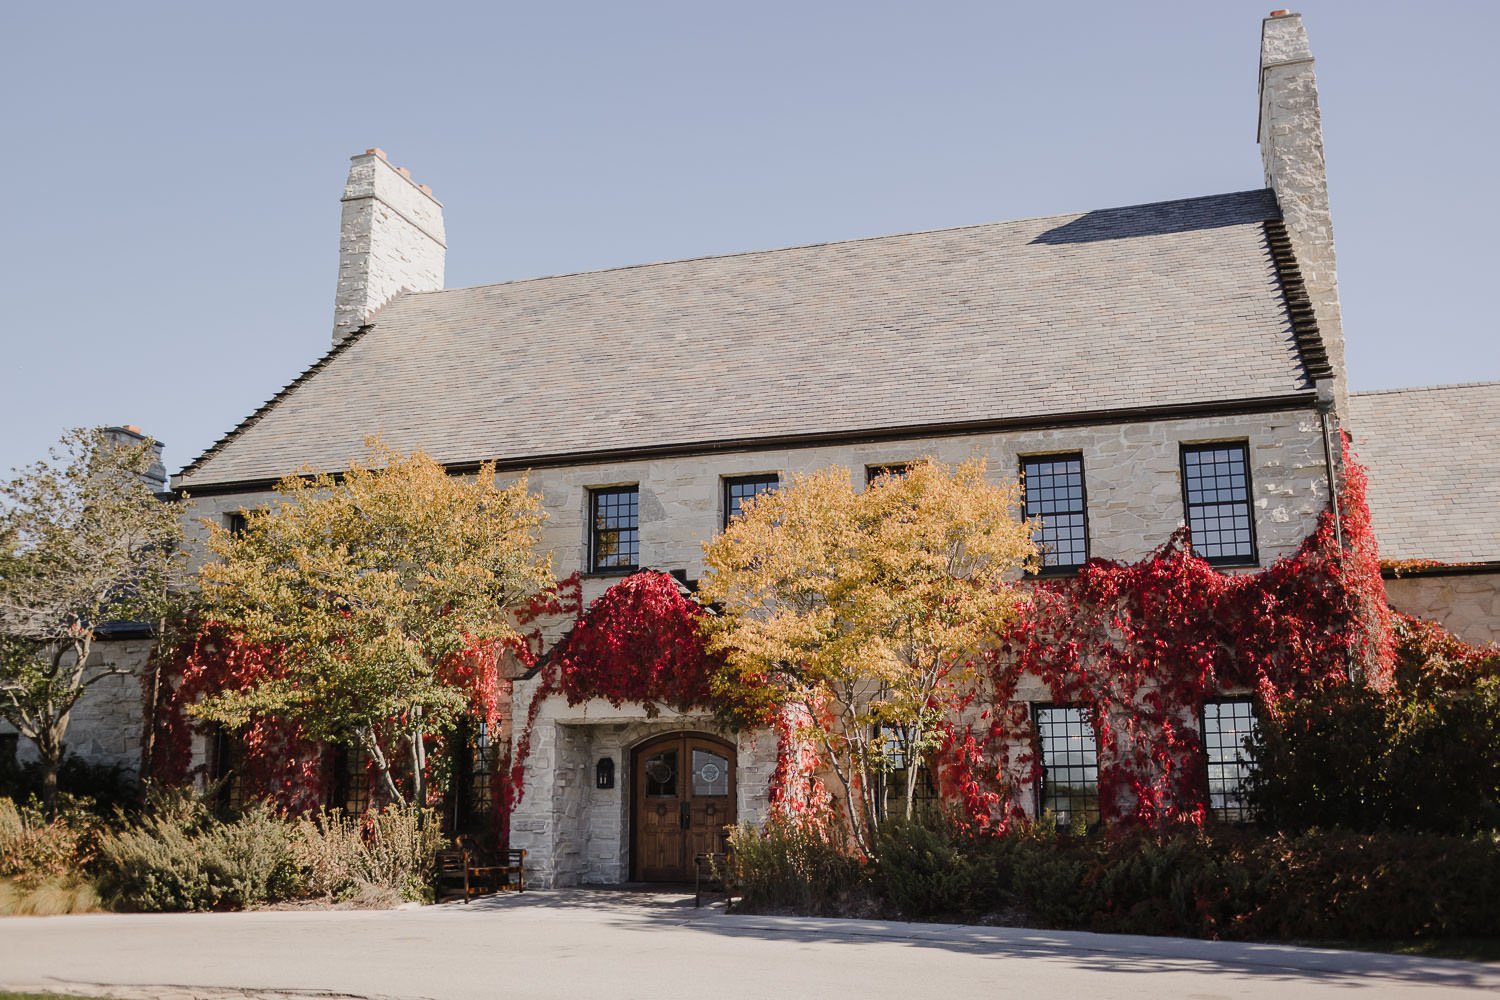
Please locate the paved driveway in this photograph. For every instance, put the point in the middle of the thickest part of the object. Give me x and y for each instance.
(600, 944)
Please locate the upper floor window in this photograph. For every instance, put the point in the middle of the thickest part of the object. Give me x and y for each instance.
(1070, 764)
(236, 523)
(1216, 501)
(1228, 728)
(738, 489)
(895, 470)
(614, 529)
(1053, 487)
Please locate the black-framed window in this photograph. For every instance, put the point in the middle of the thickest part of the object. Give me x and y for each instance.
(893, 469)
(738, 489)
(614, 529)
(227, 765)
(236, 523)
(1229, 726)
(1070, 764)
(1054, 492)
(350, 789)
(1216, 501)
(925, 801)
(482, 760)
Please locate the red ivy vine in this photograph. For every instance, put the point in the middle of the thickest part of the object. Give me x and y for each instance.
(277, 763)
(1142, 646)
(640, 642)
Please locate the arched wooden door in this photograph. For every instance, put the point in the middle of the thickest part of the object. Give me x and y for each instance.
(683, 791)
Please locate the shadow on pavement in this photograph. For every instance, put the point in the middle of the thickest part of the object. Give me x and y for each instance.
(643, 909)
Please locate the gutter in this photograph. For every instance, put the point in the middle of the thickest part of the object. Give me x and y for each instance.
(1083, 418)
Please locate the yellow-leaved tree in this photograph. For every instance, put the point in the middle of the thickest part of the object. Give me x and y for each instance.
(366, 585)
(863, 612)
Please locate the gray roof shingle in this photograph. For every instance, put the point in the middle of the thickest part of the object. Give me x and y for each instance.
(1175, 303)
(1433, 455)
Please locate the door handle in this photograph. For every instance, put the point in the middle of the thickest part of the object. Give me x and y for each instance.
(685, 815)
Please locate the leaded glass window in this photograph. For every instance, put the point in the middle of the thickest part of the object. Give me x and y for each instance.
(1228, 728)
(710, 773)
(1216, 495)
(1053, 486)
(614, 538)
(738, 489)
(1070, 764)
(481, 769)
(894, 471)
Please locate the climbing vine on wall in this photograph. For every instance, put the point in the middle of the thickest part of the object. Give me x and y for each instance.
(1139, 646)
(276, 761)
(640, 642)
(1142, 646)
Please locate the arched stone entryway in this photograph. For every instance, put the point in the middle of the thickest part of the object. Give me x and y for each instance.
(682, 802)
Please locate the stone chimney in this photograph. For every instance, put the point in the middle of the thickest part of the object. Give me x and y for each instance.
(130, 436)
(1291, 147)
(391, 240)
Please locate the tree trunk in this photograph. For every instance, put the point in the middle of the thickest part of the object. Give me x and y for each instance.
(51, 750)
(418, 761)
(382, 766)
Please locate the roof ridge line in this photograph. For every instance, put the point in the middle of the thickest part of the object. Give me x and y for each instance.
(835, 243)
(1481, 384)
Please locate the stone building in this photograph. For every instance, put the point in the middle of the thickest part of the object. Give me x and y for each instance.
(1435, 497)
(1152, 366)
(107, 725)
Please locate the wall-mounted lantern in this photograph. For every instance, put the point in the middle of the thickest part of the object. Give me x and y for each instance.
(604, 773)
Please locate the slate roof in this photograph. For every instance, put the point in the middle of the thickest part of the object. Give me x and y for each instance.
(1169, 304)
(1433, 455)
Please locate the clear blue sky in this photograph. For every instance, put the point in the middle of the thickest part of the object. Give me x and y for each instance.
(172, 171)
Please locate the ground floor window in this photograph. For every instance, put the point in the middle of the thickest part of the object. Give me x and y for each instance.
(892, 800)
(351, 781)
(1228, 728)
(1070, 764)
(481, 770)
(226, 764)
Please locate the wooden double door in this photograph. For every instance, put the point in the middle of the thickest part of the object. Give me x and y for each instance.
(683, 791)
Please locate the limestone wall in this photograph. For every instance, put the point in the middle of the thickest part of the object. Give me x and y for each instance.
(575, 833)
(107, 724)
(1132, 476)
(1468, 604)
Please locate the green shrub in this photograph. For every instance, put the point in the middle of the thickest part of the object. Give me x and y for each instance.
(1243, 884)
(179, 857)
(1423, 755)
(388, 854)
(922, 873)
(791, 868)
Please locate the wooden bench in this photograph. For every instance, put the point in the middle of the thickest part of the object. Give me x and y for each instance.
(465, 872)
(506, 870)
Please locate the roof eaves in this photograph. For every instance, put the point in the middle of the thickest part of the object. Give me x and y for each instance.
(266, 407)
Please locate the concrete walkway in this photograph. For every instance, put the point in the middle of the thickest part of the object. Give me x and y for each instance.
(602, 944)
